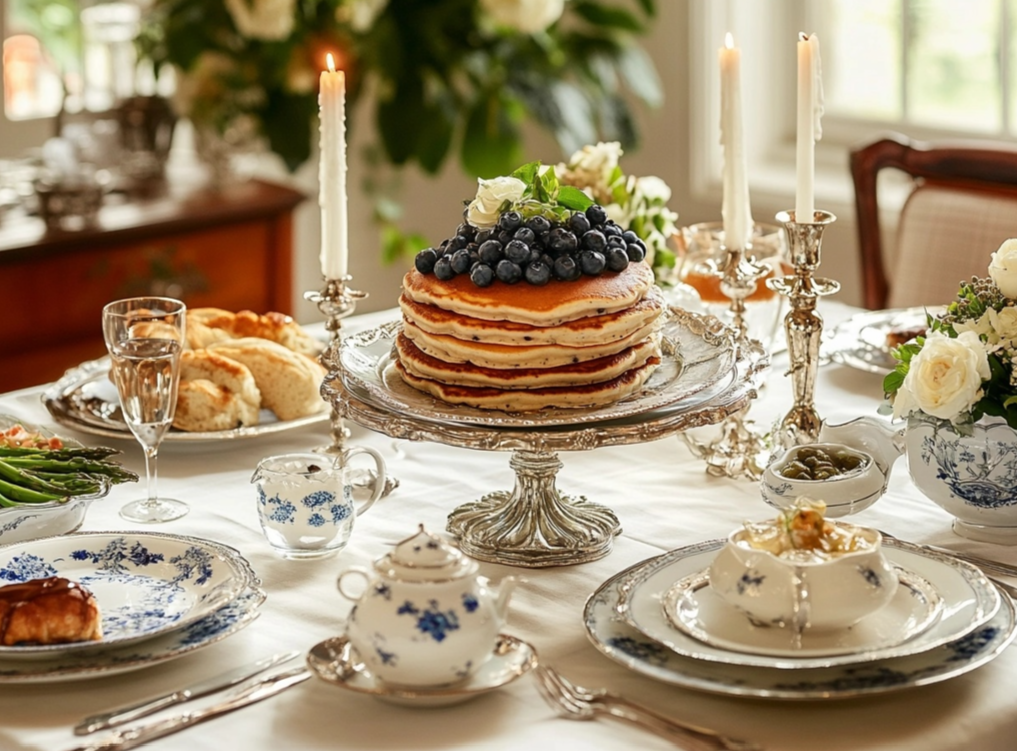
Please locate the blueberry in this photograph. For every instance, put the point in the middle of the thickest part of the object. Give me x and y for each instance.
(525, 235)
(579, 224)
(535, 255)
(560, 240)
(504, 237)
(510, 221)
(517, 252)
(565, 268)
(508, 272)
(596, 215)
(538, 273)
(629, 236)
(617, 258)
(425, 260)
(474, 258)
(490, 252)
(483, 236)
(635, 252)
(614, 241)
(591, 262)
(466, 230)
(455, 243)
(482, 275)
(460, 261)
(443, 268)
(538, 224)
(611, 230)
(549, 261)
(594, 240)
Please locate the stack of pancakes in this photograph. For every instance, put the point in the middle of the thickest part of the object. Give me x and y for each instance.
(522, 347)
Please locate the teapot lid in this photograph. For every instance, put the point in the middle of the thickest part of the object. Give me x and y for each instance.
(425, 557)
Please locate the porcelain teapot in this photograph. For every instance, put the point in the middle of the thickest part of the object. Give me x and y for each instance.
(425, 617)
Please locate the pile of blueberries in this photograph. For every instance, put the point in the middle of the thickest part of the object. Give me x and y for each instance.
(535, 249)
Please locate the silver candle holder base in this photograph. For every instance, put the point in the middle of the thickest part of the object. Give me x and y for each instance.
(803, 325)
(739, 451)
(337, 300)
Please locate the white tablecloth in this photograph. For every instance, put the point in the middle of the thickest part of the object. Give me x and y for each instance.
(664, 500)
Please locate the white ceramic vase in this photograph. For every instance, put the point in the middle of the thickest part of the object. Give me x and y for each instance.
(973, 477)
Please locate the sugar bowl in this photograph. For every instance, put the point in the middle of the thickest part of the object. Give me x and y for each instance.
(425, 617)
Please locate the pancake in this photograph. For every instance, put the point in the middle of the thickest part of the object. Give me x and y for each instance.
(531, 400)
(465, 374)
(503, 356)
(550, 305)
(581, 332)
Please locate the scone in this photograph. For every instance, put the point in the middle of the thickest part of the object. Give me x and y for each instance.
(48, 611)
(208, 326)
(216, 393)
(289, 382)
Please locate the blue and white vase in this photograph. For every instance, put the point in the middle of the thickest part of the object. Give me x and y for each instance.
(973, 476)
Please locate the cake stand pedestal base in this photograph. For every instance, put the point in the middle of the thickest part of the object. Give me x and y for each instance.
(534, 526)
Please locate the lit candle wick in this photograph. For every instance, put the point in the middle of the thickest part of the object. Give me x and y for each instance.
(330, 61)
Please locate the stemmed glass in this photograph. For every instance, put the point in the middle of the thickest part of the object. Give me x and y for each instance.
(144, 336)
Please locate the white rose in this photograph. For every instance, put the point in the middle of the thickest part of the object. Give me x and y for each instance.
(527, 16)
(945, 377)
(262, 19)
(1003, 268)
(653, 189)
(600, 159)
(492, 196)
(1004, 324)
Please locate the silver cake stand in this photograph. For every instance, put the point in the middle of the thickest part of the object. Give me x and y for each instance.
(534, 525)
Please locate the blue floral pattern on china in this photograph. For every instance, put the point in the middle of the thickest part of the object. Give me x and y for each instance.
(980, 470)
(147, 584)
(432, 620)
(323, 505)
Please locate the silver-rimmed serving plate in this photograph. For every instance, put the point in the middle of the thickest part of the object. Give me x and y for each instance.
(211, 629)
(860, 341)
(85, 399)
(632, 649)
(969, 600)
(145, 584)
(697, 353)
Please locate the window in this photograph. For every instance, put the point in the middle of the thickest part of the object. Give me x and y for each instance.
(67, 53)
(929, 64)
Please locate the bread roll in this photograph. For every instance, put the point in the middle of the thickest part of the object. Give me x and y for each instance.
(216, 393)
(289, 381)
(211, 325)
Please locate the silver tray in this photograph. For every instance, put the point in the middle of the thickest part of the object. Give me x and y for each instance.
(86, 400)
(698, 353)
(860, 341)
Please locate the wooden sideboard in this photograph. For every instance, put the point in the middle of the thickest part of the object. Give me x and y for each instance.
(230, 248)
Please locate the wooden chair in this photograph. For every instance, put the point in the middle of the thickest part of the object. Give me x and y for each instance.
(962, 207)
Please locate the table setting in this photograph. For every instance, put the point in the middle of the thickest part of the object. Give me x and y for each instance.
(793, 589)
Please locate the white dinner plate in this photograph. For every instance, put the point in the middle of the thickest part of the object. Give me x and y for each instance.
(693, 607)
(213, 628)
(623, 644)
(860, 341)
(701, 355)
(969, 600)
(85, 399)
(145, 584)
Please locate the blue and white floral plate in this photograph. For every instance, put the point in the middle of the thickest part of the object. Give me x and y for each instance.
(213, 628)
(146, 584)
(631, 648)
(968, 600)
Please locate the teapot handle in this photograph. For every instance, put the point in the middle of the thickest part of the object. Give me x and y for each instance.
(359, 571)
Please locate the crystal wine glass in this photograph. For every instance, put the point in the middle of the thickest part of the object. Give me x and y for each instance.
(144, 336)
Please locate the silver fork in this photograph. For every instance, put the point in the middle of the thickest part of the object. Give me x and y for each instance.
(578, 703)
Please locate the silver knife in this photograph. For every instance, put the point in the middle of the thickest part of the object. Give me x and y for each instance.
(120, 740)
(120, 715)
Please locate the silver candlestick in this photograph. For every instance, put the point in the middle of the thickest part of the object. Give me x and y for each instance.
(336, 301)
(803, 325)
(739, 449)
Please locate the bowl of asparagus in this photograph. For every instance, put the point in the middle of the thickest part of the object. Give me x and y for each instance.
(47, 483)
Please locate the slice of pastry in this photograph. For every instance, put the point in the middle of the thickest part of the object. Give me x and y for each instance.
(48, 611)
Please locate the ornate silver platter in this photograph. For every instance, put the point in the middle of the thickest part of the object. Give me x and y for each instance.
(86, 400)
(534, 525)
(860, 341)
(697, 354)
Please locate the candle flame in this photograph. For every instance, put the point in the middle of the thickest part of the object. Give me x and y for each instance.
(330, 61)
(729, 41)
